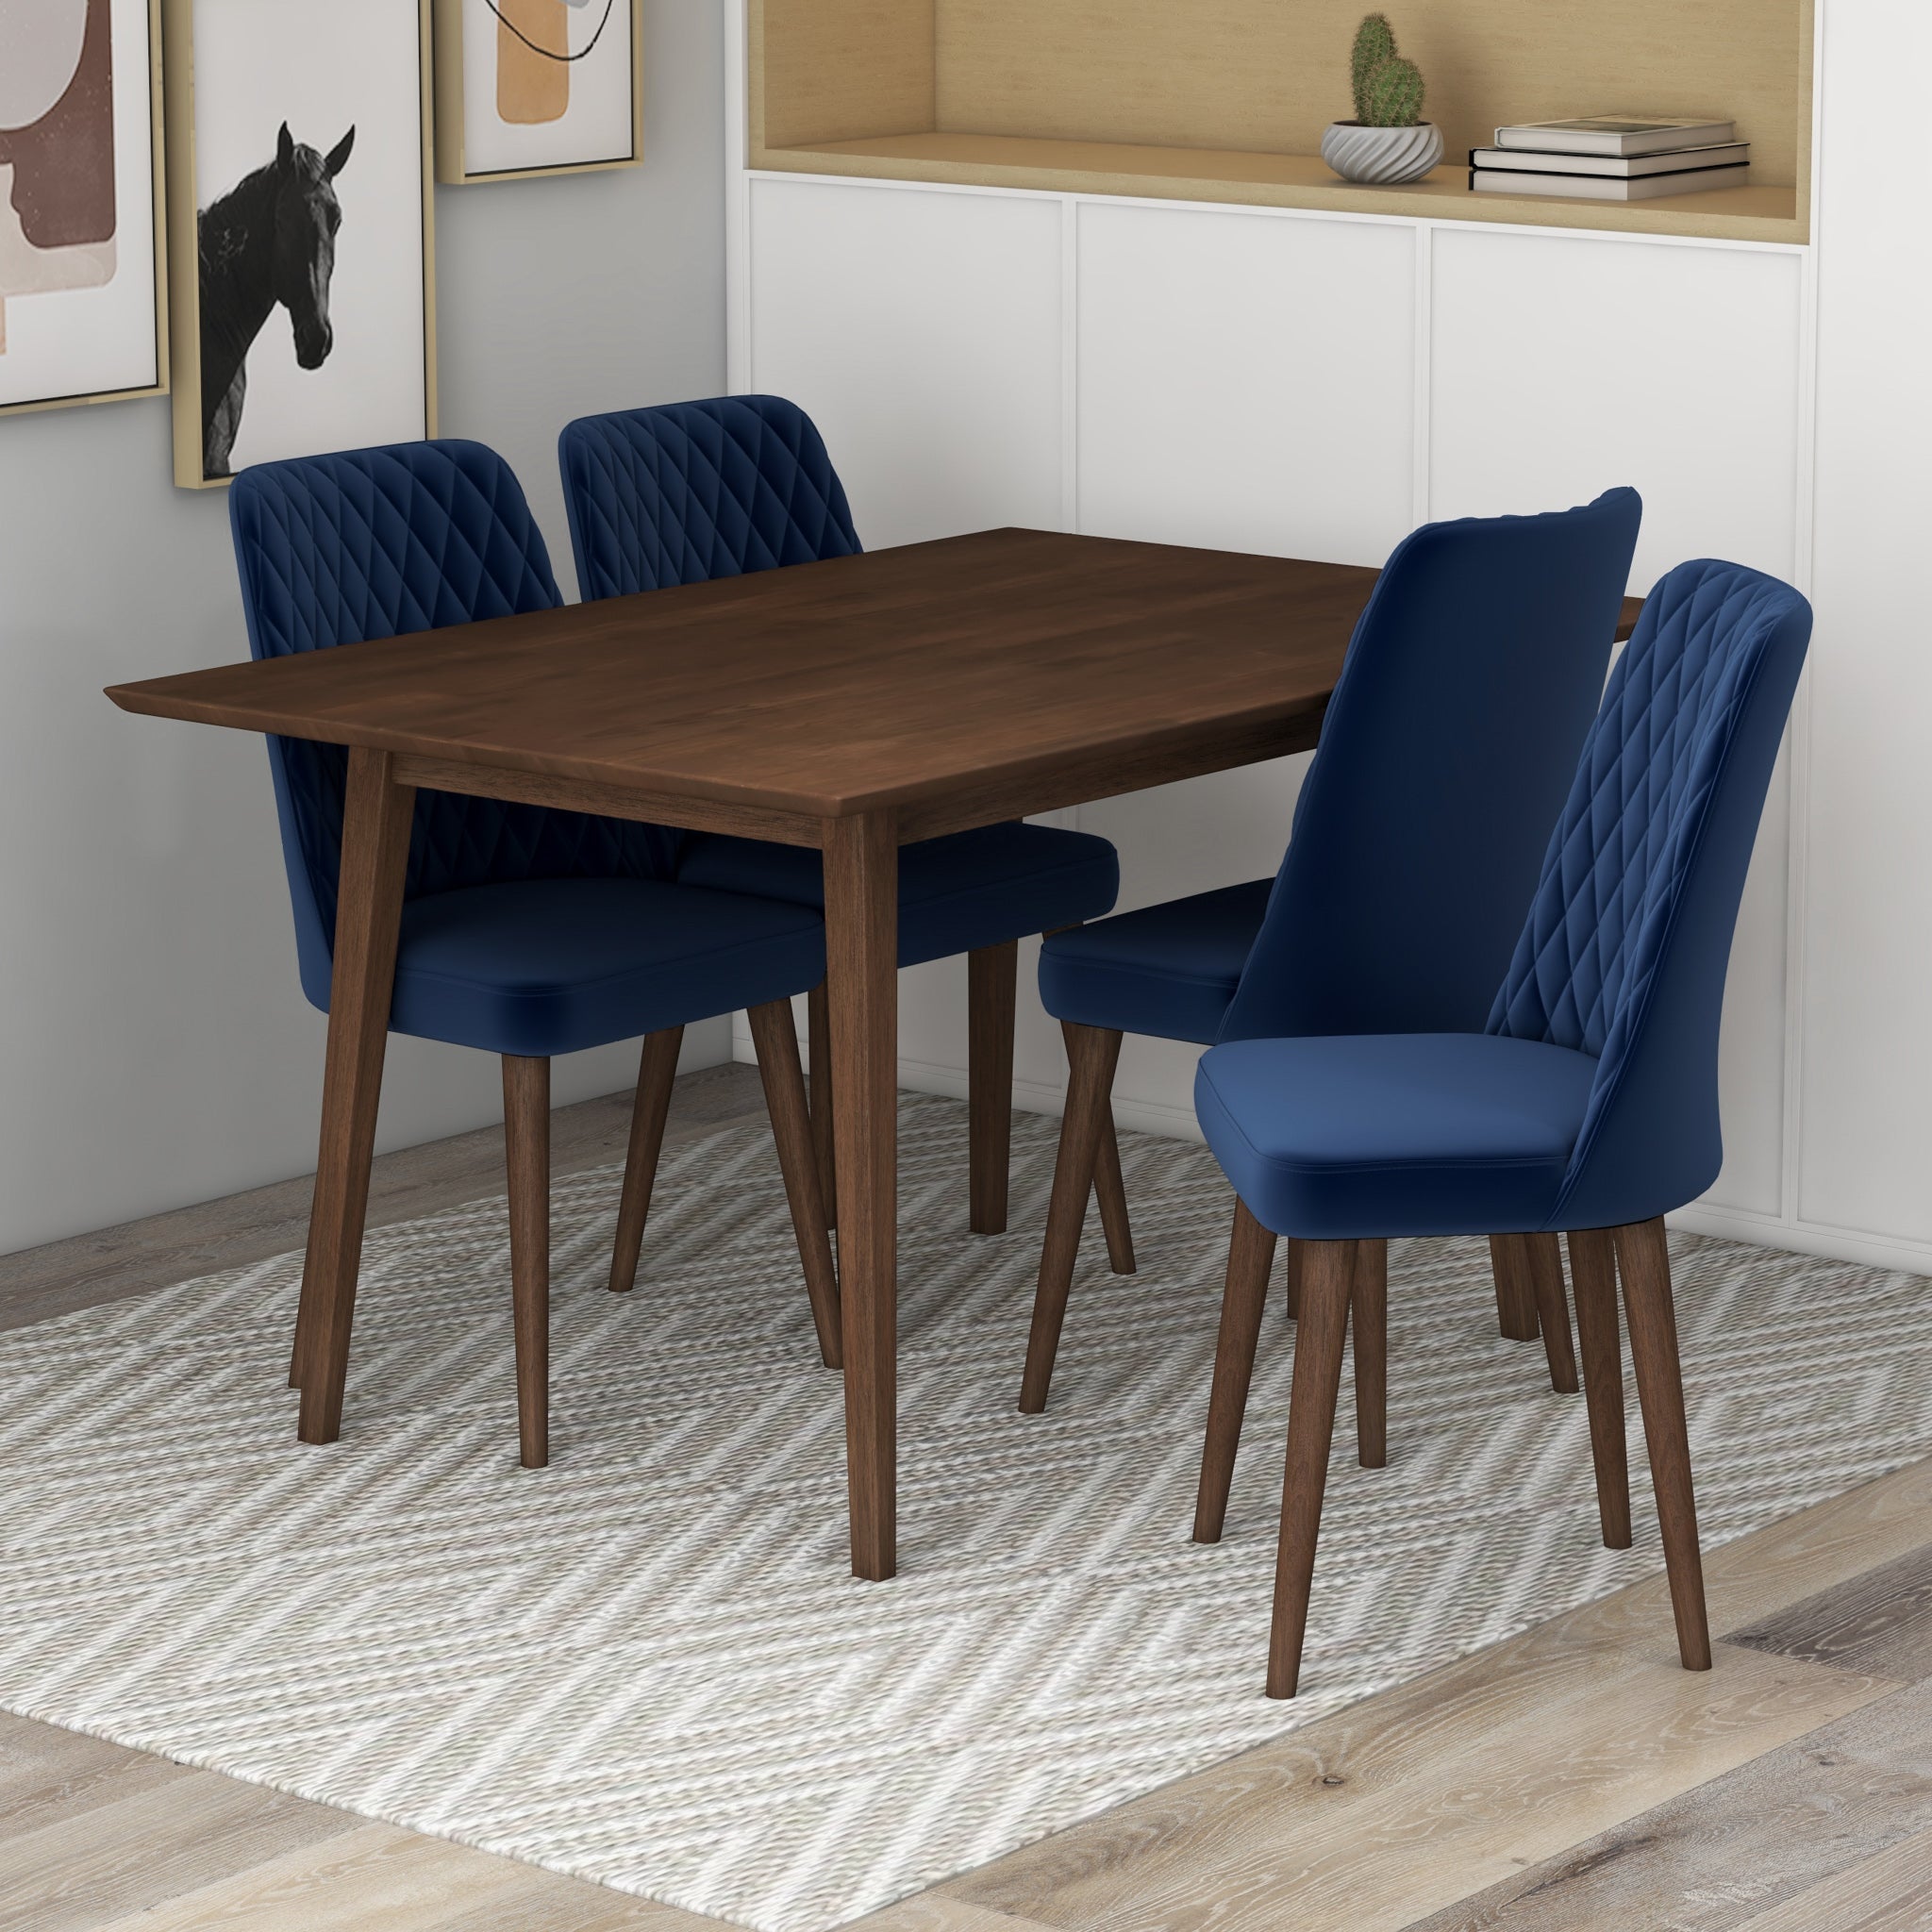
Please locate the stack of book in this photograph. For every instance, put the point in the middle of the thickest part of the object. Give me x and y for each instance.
(1610, 157)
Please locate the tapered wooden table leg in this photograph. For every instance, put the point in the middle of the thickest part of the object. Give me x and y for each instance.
(861, 975)
(368, 902)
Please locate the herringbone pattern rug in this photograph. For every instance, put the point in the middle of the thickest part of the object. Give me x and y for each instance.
(647, 1666)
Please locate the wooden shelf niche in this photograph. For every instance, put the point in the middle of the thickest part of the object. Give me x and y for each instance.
(1226, 100)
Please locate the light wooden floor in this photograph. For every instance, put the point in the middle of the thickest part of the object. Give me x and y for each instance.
(1572, 1777)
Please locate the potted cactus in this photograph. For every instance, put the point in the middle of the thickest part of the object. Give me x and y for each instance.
(1387, 140)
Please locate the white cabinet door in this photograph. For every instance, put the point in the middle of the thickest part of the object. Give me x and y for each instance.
(921, 329)
(1563, 366)
(1246, 381)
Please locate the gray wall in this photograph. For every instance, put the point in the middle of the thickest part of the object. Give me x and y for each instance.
(155, 1048)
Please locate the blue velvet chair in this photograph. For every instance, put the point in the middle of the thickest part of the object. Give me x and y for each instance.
(691, 491)
(526, 932)
(1445, 755)
(1588, 1104)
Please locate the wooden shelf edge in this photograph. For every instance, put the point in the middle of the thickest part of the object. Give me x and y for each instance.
(1763, 214)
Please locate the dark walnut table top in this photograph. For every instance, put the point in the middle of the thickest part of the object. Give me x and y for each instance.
(1014, 668)
(830, 688)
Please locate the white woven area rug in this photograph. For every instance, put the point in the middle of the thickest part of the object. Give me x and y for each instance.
(649, 1666)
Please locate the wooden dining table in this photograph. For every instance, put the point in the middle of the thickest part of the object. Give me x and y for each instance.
(853, 705)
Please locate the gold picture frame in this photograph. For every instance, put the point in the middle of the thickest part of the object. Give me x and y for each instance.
(191, 469)
(158, 217)
(543, 93)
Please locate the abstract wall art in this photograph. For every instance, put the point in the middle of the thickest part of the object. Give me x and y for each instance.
(82, 308)
(536, 87)
(300, 226)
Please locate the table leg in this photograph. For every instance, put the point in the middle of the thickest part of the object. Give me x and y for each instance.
(862, 985)
(369, 902)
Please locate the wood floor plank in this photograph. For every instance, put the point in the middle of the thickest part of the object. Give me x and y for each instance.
(371, 1875)
(47, 1774)
(1748, 1581)
(109, 1862)
(1635, 1732)
(933, 1911)
(381, 1875)
(550, 1904)
(1891, 1892)
(1717, 1855)
(1881, 1622)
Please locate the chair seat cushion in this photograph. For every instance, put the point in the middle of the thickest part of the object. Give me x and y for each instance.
(956, 894)
(1352, 1136)
(550, 966)
(1168, 970)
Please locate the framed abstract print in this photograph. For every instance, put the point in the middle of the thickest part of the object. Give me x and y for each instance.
(83, 302)
(536, 87)
(301, 228)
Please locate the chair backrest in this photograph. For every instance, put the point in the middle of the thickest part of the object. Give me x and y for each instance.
(378, 543)
(689, 492)
(1628, 939)
(1444, 757)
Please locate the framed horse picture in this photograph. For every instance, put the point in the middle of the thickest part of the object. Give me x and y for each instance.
(83, 301)
(301, 228)
(536, 87)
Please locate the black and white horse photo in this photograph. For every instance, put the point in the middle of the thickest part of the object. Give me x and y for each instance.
(271, 238)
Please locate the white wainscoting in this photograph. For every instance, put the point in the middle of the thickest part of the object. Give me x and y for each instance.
(1865, 1086)
(923, 334)
(1245, 383)
(1314, 385)
(1560, 368)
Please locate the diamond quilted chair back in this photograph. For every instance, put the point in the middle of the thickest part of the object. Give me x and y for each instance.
(689, 492)
(378, 543)
(1625, 953)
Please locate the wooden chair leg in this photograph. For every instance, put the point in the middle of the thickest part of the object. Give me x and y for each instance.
(657, 1071)
(1369, 1313)
(993, 980)
(1544, 1253)
(1328, 1278)
(774, 1034)
(1093, 1051)
(1110, 1192)
(1249, 1261)
(1291, 1270)
(1645, 1262)
(1593, 1274)
(1515, 1288)
(818, 1021)
(526, 1143)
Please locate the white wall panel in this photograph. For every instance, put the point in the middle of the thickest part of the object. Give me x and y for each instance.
(1246, 381)
(1227, 399)
(1563, 366)
(1866, 1088)
(922, 331)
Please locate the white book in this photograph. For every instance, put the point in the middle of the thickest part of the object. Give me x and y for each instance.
(1620, 165)
(1614, 134)
(1605, 188)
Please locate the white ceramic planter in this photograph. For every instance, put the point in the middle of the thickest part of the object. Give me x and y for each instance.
(1382, 155)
